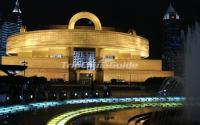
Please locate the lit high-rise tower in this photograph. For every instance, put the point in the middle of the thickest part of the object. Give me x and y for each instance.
(172, 43)
(0, 27)
(11, 25)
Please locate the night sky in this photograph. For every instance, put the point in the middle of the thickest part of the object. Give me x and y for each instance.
(145, 16)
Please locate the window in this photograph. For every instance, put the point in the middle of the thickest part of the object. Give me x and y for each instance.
(84, 58)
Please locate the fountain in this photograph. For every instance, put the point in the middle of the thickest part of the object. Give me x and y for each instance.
(188, 84)
(191, 74)
(171, 86)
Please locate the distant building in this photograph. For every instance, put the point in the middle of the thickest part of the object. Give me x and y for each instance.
(0, 26)
(10, 26)
(0, 32)
(172, 45)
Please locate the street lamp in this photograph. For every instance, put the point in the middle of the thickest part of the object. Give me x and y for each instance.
(24, 63)
(91, 84)
(22, 97)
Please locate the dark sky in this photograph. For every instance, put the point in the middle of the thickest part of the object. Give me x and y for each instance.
(145, 16)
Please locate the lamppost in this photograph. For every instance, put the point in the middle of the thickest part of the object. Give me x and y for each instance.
(24, 63)
(91, 84)
(22, 97)
(130, 80)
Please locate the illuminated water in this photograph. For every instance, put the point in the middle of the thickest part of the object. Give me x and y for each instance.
(192, 69)
(43, 116)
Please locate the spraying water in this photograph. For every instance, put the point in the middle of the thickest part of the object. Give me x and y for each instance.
(192, 73)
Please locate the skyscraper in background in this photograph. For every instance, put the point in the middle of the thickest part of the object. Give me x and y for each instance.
(0, 26)
(0, 32)
(172, 55)
(10, 26)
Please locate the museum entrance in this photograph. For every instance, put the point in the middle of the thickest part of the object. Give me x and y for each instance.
(86, 78)
(84, 64)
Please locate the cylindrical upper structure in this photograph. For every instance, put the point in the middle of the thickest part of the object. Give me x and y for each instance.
(63, 38)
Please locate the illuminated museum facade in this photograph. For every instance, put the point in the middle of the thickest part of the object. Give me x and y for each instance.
(75, 53)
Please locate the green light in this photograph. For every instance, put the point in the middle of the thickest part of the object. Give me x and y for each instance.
(65, 118)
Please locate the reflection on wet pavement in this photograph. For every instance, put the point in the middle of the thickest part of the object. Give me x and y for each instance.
(120, 117)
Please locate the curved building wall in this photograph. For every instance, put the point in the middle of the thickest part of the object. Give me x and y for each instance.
(62, 39)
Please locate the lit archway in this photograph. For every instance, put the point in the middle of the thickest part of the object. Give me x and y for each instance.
(86, 15)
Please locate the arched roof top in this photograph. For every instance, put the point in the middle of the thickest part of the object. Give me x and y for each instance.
(86, 15)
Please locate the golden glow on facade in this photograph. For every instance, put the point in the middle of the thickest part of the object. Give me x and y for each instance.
(50, 52)
(42, 40)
